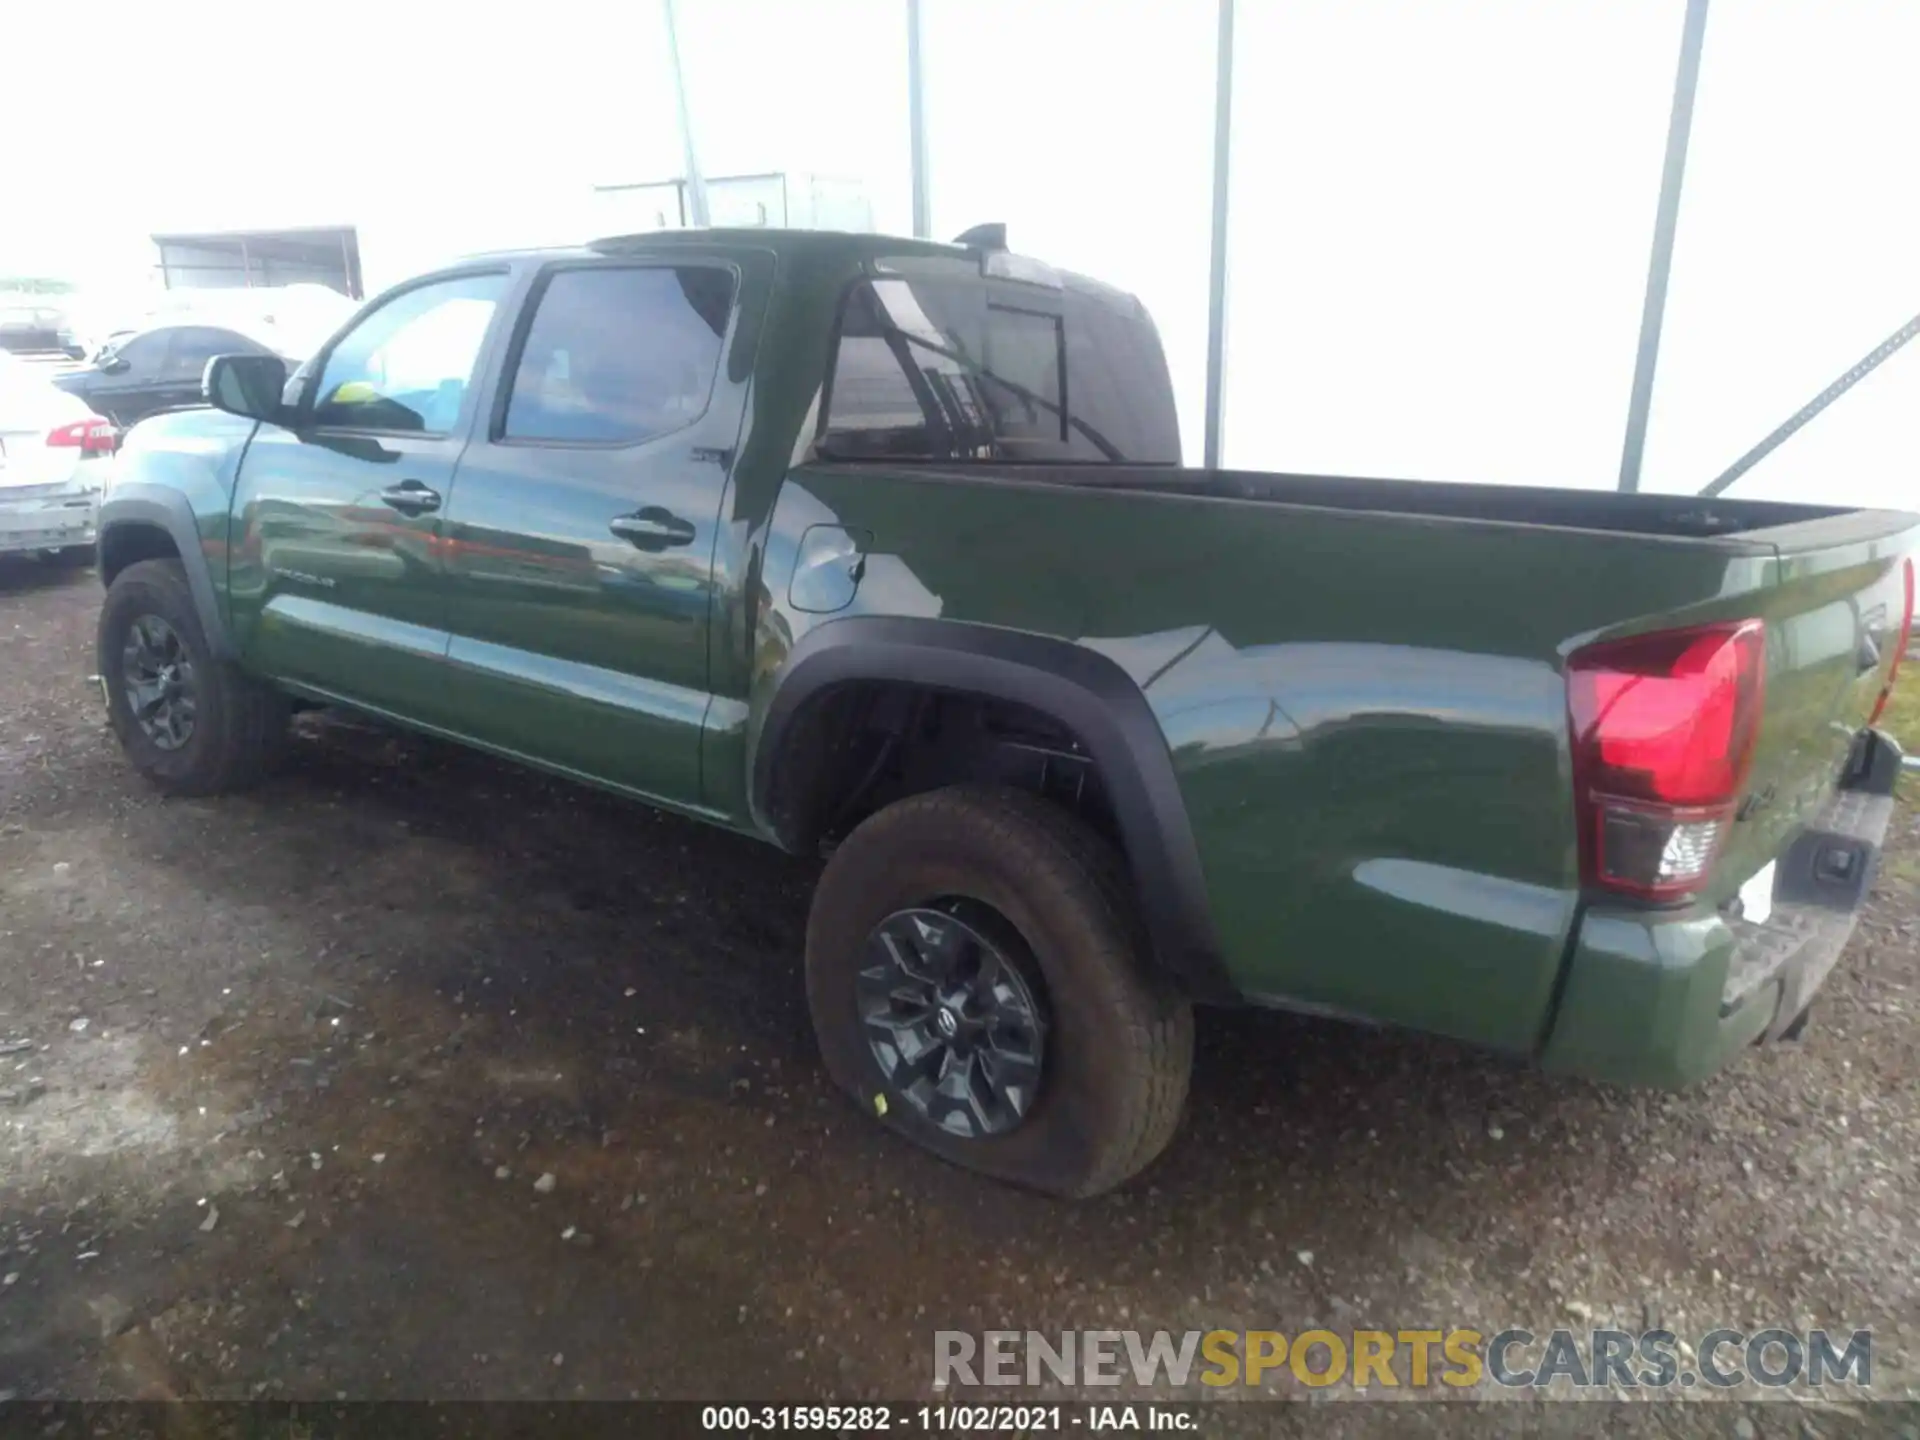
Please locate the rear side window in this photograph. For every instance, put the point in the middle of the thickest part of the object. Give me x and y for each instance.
(953, 370)
(620, 356)
(194, 345)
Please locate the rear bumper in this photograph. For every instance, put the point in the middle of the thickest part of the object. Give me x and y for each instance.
(1667, 998)
(49, 517)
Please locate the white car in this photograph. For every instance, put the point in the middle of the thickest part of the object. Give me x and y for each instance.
(54, 457)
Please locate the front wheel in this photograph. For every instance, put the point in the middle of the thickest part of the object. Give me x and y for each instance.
(192, 723)
(980, 983)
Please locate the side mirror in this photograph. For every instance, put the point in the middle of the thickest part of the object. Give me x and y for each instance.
(112, 365)
(246, 385)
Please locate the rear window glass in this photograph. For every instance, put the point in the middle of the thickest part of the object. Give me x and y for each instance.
(953, 370)
(620, 356)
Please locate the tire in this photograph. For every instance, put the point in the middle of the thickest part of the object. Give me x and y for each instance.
(238, 727)
(1118, 1035)
(69, 557)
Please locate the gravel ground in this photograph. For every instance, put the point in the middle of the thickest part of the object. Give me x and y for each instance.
(415, 1075)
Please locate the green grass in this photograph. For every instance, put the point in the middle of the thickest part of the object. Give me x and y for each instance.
(1901, 718)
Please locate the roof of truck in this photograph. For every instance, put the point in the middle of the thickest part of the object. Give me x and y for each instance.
(831, 245)
(861, 243)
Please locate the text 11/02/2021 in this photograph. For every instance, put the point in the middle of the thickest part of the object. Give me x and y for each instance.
(949, 1419)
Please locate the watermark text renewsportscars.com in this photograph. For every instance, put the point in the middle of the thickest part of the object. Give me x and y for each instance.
(1513, 1358)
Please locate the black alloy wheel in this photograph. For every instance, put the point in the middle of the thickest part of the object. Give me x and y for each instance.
(949, 998)
(158, 674)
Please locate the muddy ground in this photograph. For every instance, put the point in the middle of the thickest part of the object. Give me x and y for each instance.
(299, 1059)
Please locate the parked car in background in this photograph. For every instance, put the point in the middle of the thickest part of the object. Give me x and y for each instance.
(296, 318)
(54, 456)
(113, 341)
(33, 328)
(156, 369)
(293, 320)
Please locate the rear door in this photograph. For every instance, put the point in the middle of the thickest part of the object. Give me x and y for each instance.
(580, 540)
(337, 583)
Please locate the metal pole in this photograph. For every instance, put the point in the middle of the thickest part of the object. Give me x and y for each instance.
(1795, 422)
(1666, 219)
(1217, 272)
(696, 185)
(917, 120)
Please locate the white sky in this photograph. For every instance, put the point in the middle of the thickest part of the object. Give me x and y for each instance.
(1441, 211)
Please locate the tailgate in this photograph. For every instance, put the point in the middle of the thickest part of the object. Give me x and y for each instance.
(1835, 611)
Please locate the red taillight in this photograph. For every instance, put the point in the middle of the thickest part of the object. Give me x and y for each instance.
(1663, 733)
(1900, 647)
(90, 437)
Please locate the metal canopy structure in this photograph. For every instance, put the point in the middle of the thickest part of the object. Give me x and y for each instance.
(327, 256)
(1692, 42)
(1659, 265)
(1797, 421)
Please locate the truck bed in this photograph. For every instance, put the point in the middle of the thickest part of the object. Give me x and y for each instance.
(1678, 516)
(1362, 687)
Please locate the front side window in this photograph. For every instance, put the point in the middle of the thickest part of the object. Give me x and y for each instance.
(194, 345)
(956, 370)
(407, 366)
(620, 356)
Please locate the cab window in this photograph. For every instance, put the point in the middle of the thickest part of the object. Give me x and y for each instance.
(409, 364)
(957, 370)
(619, 356)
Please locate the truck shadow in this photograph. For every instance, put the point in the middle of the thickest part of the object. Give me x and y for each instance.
(614, 995)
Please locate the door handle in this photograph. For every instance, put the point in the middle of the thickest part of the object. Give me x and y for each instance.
(410, 497)
(652, 528)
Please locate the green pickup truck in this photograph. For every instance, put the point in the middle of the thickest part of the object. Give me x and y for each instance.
(881, 550)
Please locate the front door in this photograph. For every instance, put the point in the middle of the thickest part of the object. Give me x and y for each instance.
(579, 543)
(336, 583)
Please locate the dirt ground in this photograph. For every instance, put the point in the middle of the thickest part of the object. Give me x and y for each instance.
(298, 1062)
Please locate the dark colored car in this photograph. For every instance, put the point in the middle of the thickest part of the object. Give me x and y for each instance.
(880, 550)
(38, 330)
(153, 370)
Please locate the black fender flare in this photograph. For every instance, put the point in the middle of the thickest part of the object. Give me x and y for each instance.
(161, 507)
(1083, 690)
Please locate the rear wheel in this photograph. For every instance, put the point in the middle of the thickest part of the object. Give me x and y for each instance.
(980, 983)
(192, 723)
